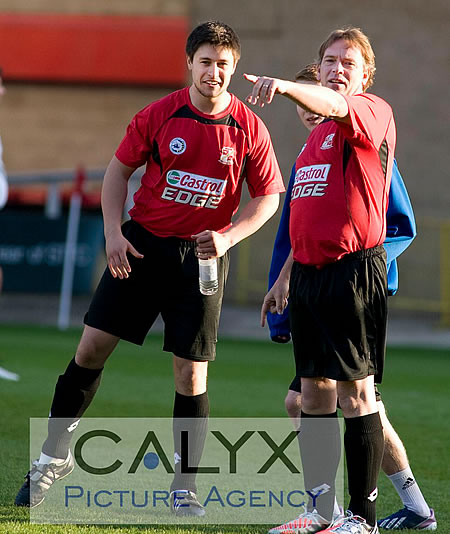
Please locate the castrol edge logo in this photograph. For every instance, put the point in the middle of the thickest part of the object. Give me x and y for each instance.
(312, 173)
(195, 182)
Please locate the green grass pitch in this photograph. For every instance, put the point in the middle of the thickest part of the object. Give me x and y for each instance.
(249, 379)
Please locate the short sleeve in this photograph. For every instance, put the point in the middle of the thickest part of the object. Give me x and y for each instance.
(135, 148)
(370, 118)
(262, 170)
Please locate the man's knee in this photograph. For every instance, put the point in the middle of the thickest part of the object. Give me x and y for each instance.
(190, 376)
(94, 348)
(293, 404)
(357, 397)
(318, 395)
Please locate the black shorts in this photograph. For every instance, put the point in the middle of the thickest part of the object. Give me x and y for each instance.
(296, 385)
(338, 317)
(164, 281)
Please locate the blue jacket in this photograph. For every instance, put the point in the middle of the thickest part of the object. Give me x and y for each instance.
(400, 232)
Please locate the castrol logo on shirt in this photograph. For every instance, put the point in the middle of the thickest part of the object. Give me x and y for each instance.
(312, 173)
(193, 189)
(309, 181)
(195, 182)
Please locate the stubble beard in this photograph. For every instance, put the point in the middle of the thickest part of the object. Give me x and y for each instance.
(210, 95)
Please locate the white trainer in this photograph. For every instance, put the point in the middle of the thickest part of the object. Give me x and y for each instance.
(306, 523)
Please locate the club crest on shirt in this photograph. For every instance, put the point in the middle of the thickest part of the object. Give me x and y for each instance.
(177, 145)
(328, 143)
(227, 155)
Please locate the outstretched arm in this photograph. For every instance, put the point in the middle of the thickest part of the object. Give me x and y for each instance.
(315, 98)
(255, 213)
(114, 195)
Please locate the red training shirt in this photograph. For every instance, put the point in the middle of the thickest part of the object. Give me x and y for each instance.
(195, 164)
(340, 195)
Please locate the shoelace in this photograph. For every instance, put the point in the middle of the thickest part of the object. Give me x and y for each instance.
(350, 524)
(50, 469)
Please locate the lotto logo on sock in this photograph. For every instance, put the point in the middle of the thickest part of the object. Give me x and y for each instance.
(73, 426)
(408, 483)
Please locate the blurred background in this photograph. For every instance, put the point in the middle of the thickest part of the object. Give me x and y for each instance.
(76, 71)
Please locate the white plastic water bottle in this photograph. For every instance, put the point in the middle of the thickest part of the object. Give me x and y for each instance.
(207, 276)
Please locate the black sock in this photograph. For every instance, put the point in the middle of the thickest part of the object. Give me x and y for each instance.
(364, 445)
(320, 449)
(190, 420)
(74, 392)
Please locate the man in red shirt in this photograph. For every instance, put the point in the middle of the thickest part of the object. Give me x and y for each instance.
(199, 145)
(335, 276)
(416, 513)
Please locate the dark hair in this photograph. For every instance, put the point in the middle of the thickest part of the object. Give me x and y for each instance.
(308, 74)
(358, 38)
(214, 33)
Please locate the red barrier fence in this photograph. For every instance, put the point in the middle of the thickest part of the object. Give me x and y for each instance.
(132, 50)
